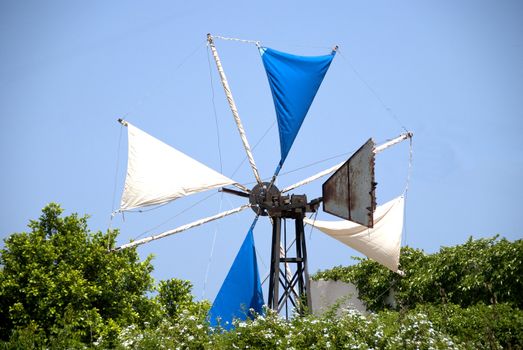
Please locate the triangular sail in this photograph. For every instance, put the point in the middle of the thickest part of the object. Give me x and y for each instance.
(381, 243)
(157, 173)
(241, 290)
(294, 81)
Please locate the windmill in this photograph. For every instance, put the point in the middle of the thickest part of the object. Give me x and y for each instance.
(349, 193)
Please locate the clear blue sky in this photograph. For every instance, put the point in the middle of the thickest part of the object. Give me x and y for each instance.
(450, 71)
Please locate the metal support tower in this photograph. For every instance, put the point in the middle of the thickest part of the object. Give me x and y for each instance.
(289, 286)
(289, 275)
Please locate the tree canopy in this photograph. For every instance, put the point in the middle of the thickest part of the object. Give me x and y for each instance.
(60, 274)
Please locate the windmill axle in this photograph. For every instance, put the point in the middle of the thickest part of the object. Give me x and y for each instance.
(268, 200)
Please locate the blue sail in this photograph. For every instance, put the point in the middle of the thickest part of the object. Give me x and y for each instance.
(241, 289)
(294, 81)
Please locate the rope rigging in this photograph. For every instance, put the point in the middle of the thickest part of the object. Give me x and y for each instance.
(256, 42)
(160, 82)
(374, 93)
(175, 215)
(213, 244)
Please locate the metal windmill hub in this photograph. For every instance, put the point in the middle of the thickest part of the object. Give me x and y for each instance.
(264, 197)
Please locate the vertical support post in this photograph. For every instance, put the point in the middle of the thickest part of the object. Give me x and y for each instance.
(306, 293)
(299, 261)
(303, 271)
(274, 281)
(288, 273)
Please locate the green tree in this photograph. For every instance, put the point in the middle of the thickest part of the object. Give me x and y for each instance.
(175, 299)
(60, 276)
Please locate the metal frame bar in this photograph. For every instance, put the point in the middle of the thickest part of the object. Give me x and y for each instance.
(182, 228)
(275, 264)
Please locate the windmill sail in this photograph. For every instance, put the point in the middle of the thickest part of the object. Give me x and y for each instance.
(381, 243)
(294, 81)
(241, 290)
(157, 173)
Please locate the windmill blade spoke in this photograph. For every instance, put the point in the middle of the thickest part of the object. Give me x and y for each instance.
(405, 136)
(184, 227)
(313, 177)
(377, 149)
(233, 108)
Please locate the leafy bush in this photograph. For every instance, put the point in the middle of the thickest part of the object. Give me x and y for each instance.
(472, 292)
(497, 326)
(185, 332)
(387, 330)
(487, 270)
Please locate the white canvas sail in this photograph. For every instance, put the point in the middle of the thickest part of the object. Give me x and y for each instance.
(157, 173)
(381, 243)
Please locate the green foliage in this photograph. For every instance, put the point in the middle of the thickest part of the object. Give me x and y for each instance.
(426, 327)
(60, 288)
(183, 323)
(488, 271)
(188, 331)
(262, 332)
(175, 298)
(497, 326)
(473, 292)
(60, 277)
(387, 330)
(174, 294)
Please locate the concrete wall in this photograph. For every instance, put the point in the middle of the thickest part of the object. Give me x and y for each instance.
(325, 295)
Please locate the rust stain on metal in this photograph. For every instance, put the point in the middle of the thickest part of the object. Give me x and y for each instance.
(350, 192)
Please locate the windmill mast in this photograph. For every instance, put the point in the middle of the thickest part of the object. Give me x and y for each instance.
(292, 207)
